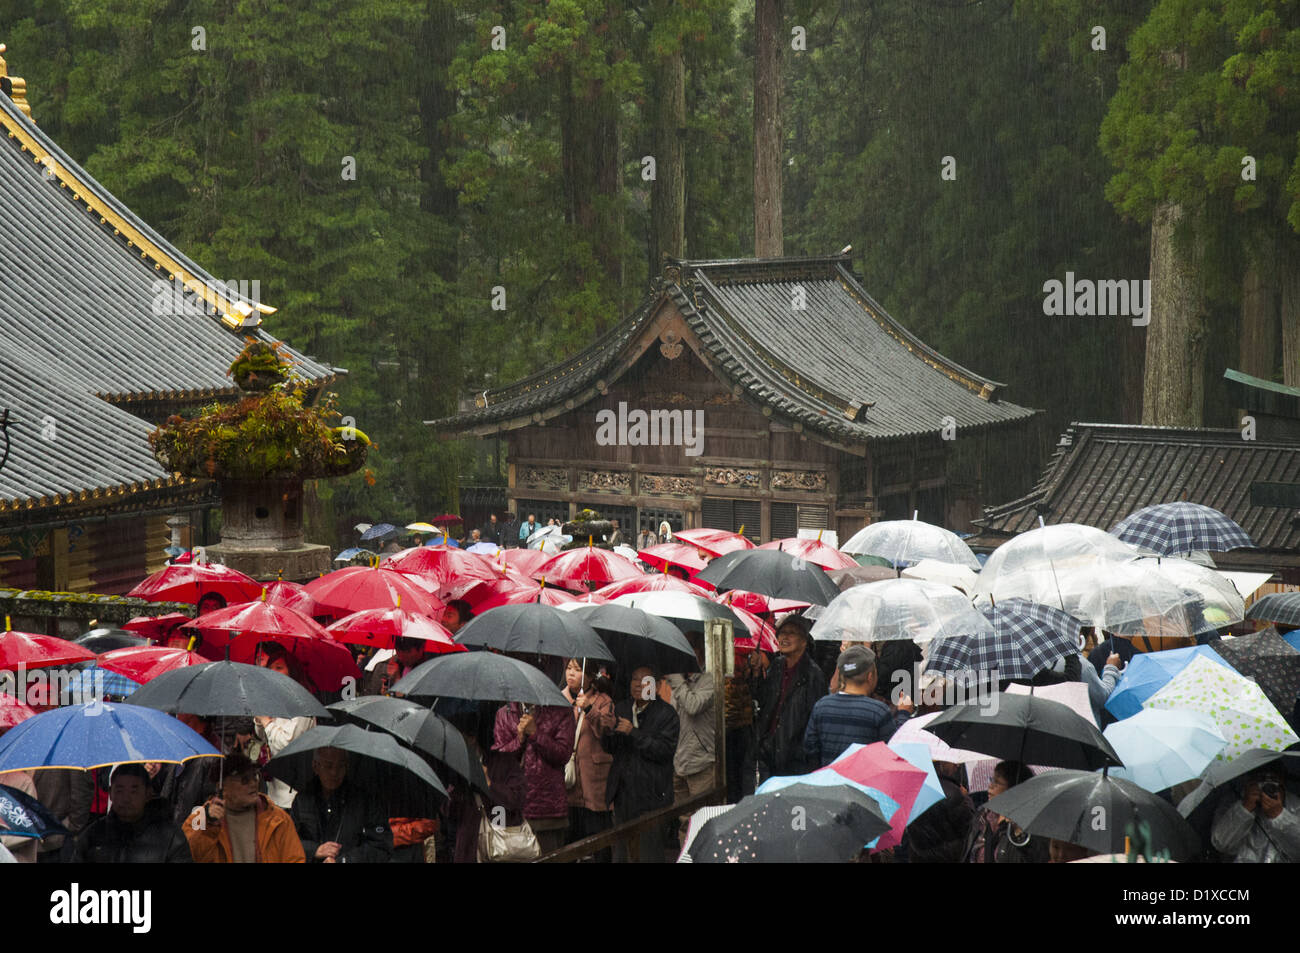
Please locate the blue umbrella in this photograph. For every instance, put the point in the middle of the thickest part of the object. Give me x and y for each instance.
(381, 531)
(1161, 748)
(1175, 529)
(443, 541)
(831, 779)
(1149, 672)
(1292, 639)
(351, 553)
(931, 793)
(21, 815)
(98, 734)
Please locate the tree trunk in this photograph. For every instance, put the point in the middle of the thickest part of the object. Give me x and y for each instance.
(668, 193)
(1173, 393)
(768, 41)
(1289, 279)
(1258, 337)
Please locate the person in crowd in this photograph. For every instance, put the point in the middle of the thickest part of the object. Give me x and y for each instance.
(643, 742)
(467, 808)
(786, 689)
(615, 537)
(24, 849)
(337, 822)
(852, 715)
(274, 734)
(692, 697)
(938, 836)
(138, 828)
(491, 531)
(994, 839)
(184, 786)
(1063, 852)
(543, 736)
(1108, 646)
(510, 532)
(211, 602)
(456, 614)
(68, 794)
(1264, 826)
(665, 532)
(738, 718)
(646, 539)
(591, 693)
(242, 825)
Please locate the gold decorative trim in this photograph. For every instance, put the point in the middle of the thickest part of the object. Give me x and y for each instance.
(15, 87)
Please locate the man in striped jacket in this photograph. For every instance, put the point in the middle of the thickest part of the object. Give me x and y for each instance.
(852, 715)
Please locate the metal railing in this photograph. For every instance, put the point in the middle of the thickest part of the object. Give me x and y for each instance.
(629, 834)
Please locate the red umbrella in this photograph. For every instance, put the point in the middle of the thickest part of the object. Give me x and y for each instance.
(449, 572)
(524, 560)
(140, 663)
(715, 542)
(156, 627)
(652, 582)
(190, 583)
(674, 554)
(586, 568)
(345, 591)
(38, 651)
(446, 520)
(762, 635)
(383, 627)
(12, 711)
(261, 619)
(291, 595)
(327, 664)
(518, 595)
(814, 551)
(878, 766)
(756, 602)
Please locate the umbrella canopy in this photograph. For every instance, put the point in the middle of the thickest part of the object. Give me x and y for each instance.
(913, 731)
(814, 551)
(215, 689)
(422, 528)
(1095, 811)
(686, 611)
(380, 532)
(760, 604)
(30, 650)
(715, 542)
(524, 560)
(586, 569)
(900, 609)
(771, 573)
(1172, 529)
(451, 573)
(879, 766)
(637, 638)
(860, 575)
(1025, 638)
(687, 558)
(1162, 748)
(345, 591)
(762, 635)
(353, 552)
(950, 574)
(97, 734)
(442, 541)
(909, 541)
(1221, 604)
(651, 582)
(840, 787)
(105, 640)
(1239, 707)
(1047, 549)
(479, 676)
(426, 732)
(12, 711)
(518, 595)
(1270, 660)
(146, 662)
(377, 763)
(483, 549)
(21, 815)
(1026, 729)
(98, 681)
(446, 519)
(291, 595)
(1281, 608)
(1148, 672)
(535, 629)
(190, 582)
(261, 619)
(383, 627)
(156, 627)
(790, 826)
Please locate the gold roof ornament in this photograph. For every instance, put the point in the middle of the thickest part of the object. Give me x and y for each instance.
(14, 87)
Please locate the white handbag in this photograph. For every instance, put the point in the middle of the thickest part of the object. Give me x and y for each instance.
(499, 844)
(571, 768)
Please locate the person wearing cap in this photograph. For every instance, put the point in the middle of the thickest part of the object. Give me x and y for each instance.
(786, 689)
(1264, 826)
(852, 715)
(242, 825)
(138, 828)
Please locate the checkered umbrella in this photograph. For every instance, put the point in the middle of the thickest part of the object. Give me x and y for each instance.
(1174, 529)
(1277, 607)
(1026, 638)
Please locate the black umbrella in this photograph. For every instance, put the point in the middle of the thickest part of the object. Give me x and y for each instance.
(534, 629)
(228, 688)
(479, 676)
(1268, 659)
(1097, 812)
(395, 775)
(1281, 607)
(21, 815)
(100, 641)
(771, 572)
(638, 638)
(1201, 803)
(790, 826)
(427, 732)
(1026, 729)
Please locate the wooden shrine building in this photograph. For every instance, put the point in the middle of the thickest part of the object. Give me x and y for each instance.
(814, 409)
(90, 363)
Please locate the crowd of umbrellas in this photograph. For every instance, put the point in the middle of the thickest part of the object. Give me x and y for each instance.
(1194, 711)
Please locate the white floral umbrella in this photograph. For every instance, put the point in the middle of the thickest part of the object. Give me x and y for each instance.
(1243, 715)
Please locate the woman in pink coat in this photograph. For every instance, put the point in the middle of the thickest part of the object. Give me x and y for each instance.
(593, 704)
(543, 739)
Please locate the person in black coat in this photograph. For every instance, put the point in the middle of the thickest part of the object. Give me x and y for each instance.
(643, 742)
(137, 830)
(939, 835)
(337, 822)
(785, 702)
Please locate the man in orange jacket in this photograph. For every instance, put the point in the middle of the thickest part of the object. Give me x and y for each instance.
(241, 825)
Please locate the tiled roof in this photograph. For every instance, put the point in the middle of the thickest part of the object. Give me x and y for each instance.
(1101, 473)
(808, 365)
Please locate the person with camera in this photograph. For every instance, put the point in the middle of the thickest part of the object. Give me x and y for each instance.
(1264, 826)
(241, 825)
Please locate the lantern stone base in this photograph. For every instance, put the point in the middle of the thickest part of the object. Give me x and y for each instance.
(296, 564)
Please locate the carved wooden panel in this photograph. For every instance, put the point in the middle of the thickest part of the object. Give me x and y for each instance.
(812, 480)
(608, 481)
(733, 476)
(661, 484)
(544, 478)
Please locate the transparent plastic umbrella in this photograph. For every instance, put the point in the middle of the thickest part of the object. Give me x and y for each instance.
(1047, 550)
(910, 541)
(899, 609)
(1221, 603)
(1126, 598)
